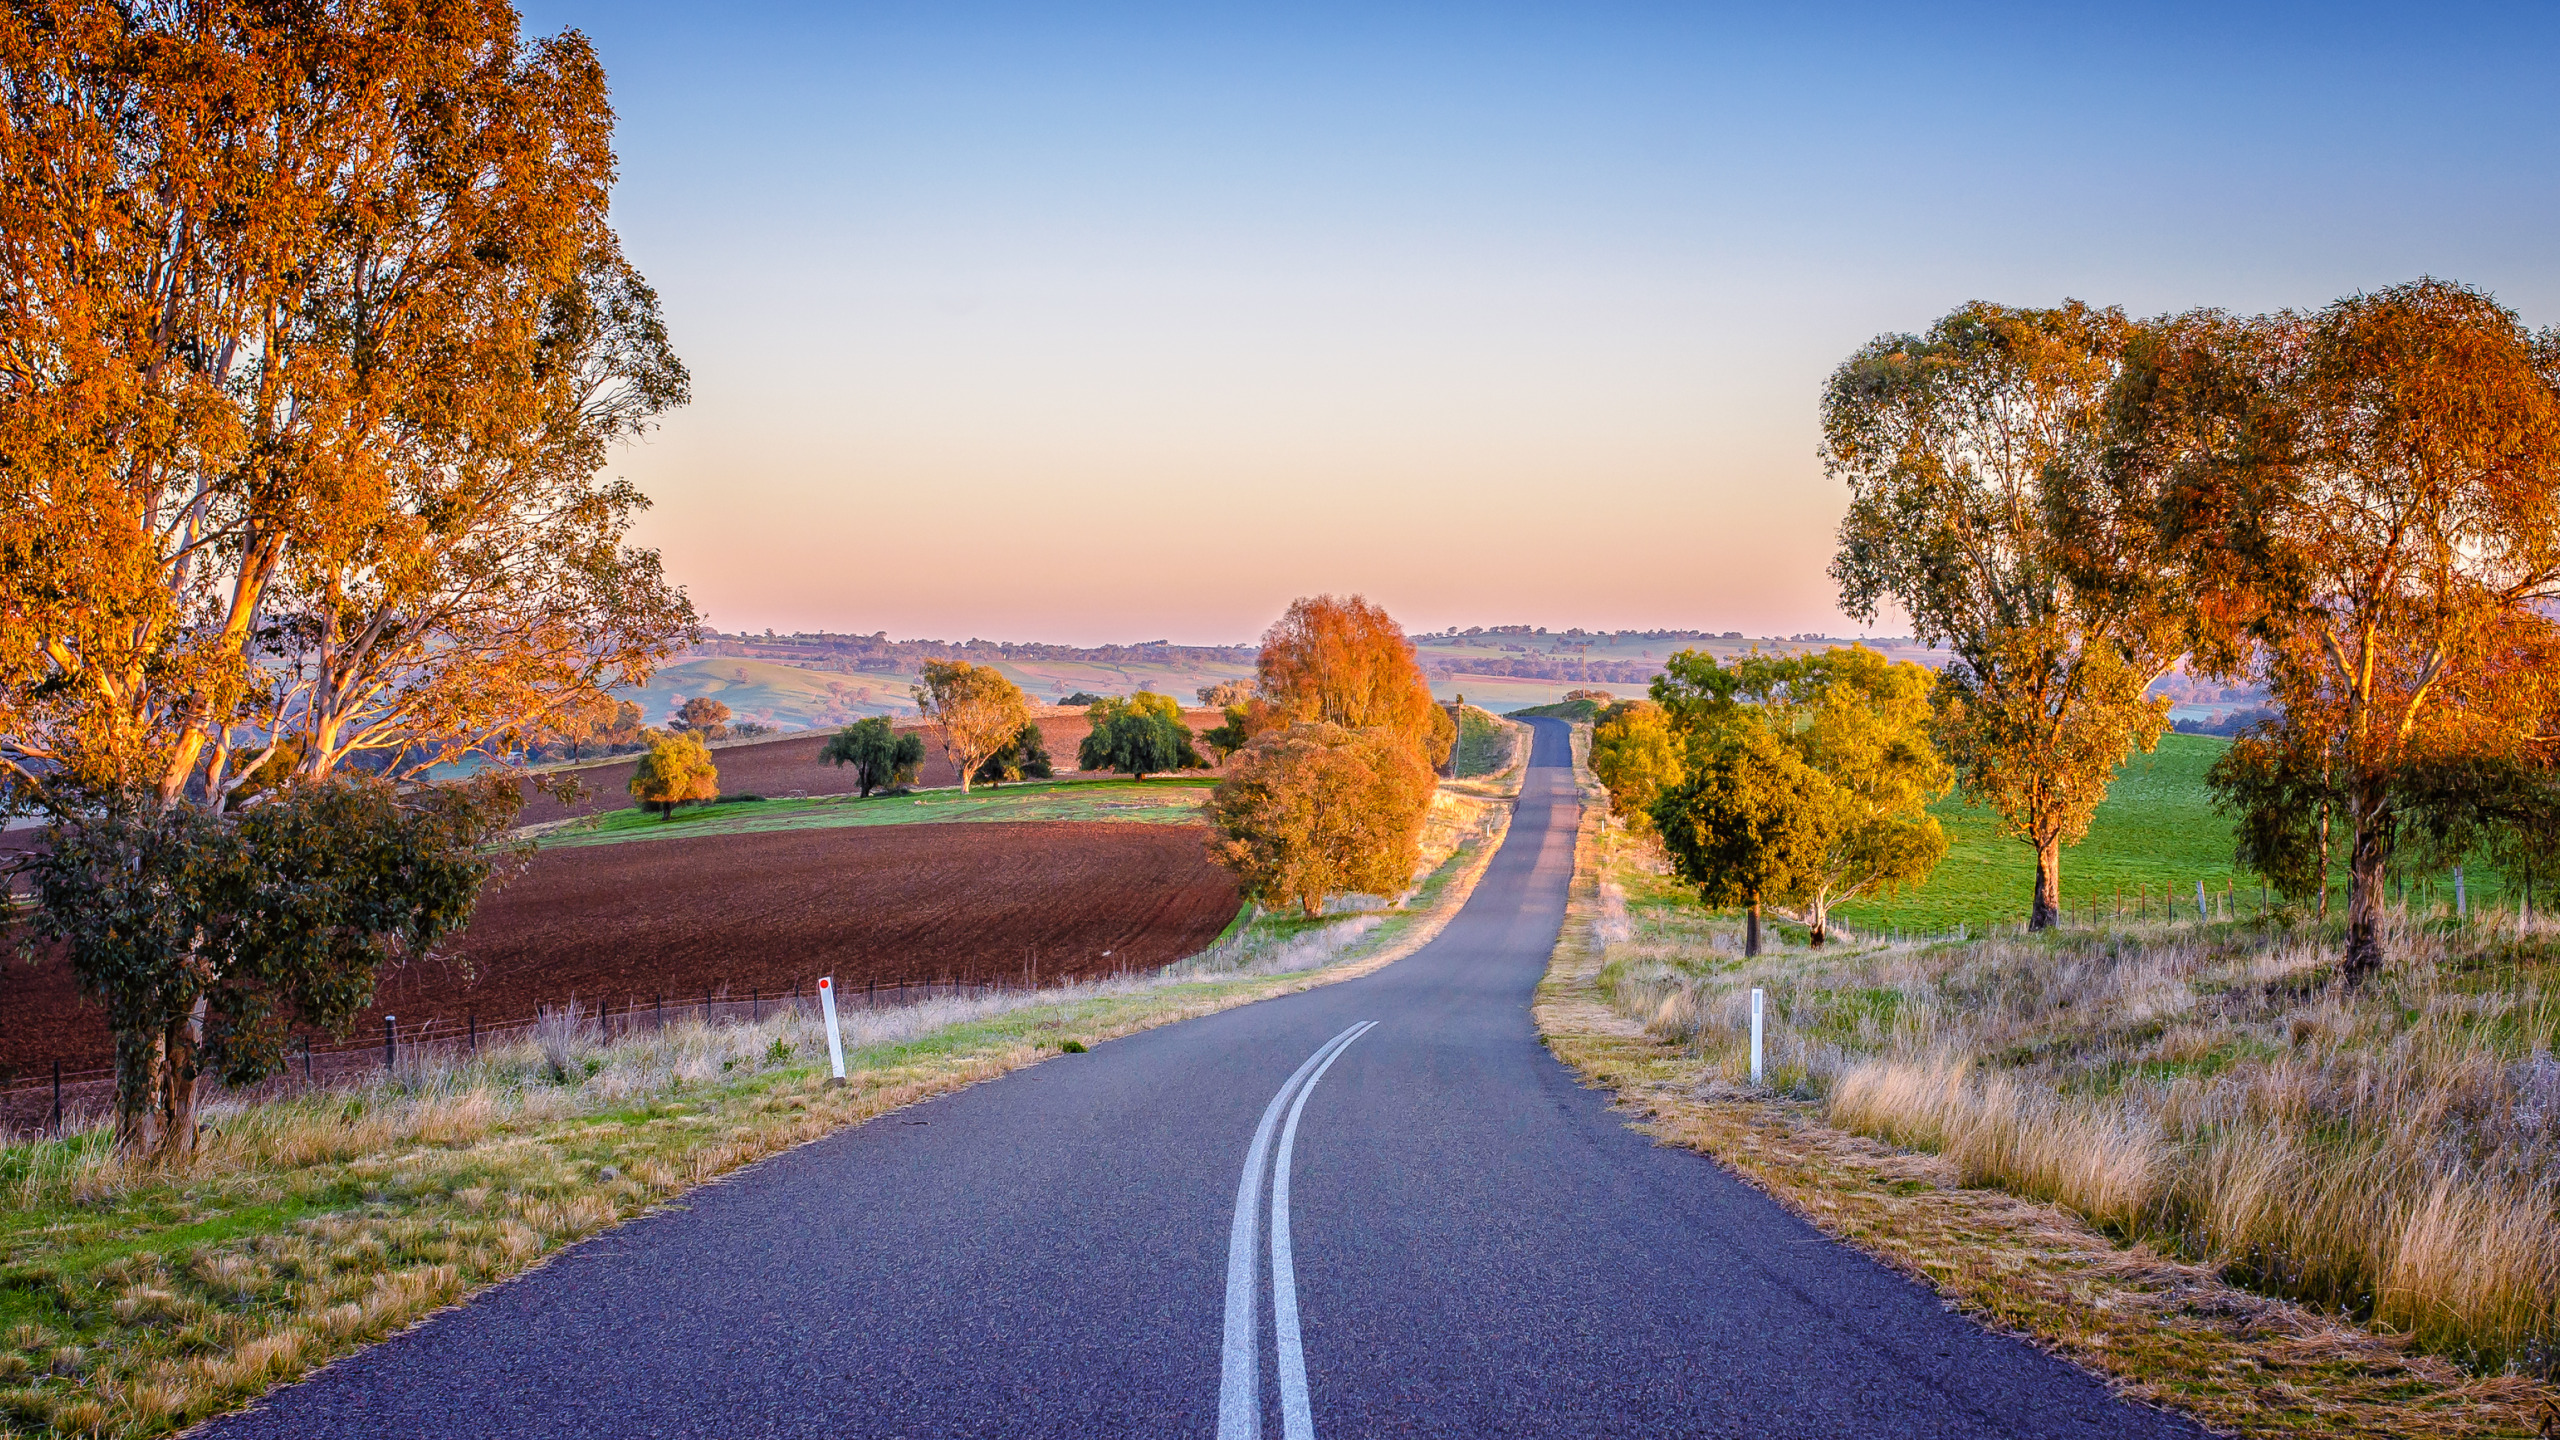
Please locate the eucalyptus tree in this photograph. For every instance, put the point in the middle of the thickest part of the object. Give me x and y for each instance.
(1976, 460)
(2364, 504)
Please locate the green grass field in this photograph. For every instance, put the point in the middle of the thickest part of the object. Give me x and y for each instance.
(1166, 801)
(2157, 831)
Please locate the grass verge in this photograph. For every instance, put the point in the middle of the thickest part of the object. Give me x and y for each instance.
(2163, 1322)
(135, 1301)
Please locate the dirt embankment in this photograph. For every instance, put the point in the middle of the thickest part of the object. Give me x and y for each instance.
(791, 764)
(770, 912)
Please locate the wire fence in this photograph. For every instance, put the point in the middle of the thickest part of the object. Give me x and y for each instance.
(313, 1057)
(2224, 898)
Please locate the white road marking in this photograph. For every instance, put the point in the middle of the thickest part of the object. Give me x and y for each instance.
(1239, 1370)
(1297, 1416)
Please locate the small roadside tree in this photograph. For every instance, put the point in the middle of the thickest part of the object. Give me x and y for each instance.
(1226, 693)
(978, 710)
(703, 716)
(1635, 757)
(206, 938)
(1024, 757)
(1313, 811)
(881, 755)
(1140, 736)
(1744, 827)
(676, 771)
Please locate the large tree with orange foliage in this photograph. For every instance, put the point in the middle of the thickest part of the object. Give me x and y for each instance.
(2365, 503)
(313, 337)
(1346, 662)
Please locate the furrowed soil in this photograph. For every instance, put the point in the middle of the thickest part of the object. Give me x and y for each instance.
(790, 765)
(733, 915)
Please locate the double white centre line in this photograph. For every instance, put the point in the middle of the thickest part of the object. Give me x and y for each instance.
(1239, 1374)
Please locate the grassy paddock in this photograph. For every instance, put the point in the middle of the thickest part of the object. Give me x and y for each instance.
(1484, 743)
(2153, 839)
(135, 1300)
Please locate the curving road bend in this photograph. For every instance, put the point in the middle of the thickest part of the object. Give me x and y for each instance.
(1378, 1207)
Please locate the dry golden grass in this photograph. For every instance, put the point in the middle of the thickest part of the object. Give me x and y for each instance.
(2103, 1147)
(137, 1300)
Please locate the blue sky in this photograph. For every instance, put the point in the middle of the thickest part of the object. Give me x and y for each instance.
(1102, 323)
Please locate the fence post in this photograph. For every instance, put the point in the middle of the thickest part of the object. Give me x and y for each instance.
(306, 1059)
(475, 1032)
(390, 1041)
(1756, 1071)
(835, 1037)
(755, 1003)
(2461, 897)
(57, 1099)
(661, 1003)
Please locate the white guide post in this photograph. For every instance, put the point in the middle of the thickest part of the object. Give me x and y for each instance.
(2201, 912)
(835, 1037)
(1756, 1006)
(2461, 901)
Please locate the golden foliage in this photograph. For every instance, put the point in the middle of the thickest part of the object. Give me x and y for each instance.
(1344, 661)
(1315, 810)
(978, 709)
(303, 390)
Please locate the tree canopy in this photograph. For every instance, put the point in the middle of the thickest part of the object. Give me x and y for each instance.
(305, 387)
(703, 716)
(1744, 824)
(977, 709)
(677, 770)
(1634, 756)
(1858, 726)
(881, 755)
(1980, 504)
(1140, 736)
(2364, 505)
(1024, 757)
(1311, 811)
(1344, 661)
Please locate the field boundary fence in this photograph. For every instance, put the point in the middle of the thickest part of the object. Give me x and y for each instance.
(312, 1060)
(2197, 902)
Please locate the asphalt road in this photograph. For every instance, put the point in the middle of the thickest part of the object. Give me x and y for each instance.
(1476, 1246)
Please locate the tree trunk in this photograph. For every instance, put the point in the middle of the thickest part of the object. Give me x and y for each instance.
(1751, 931)
(2324, 862)
(2047, 911)
(1821, 927)
(137, 1090)
(2366, 866)
(180, 1087)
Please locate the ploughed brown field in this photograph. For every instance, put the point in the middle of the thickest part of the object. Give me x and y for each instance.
(769, 912)
(775, 768)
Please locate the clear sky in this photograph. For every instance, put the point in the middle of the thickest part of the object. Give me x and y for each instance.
(1090, 323)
